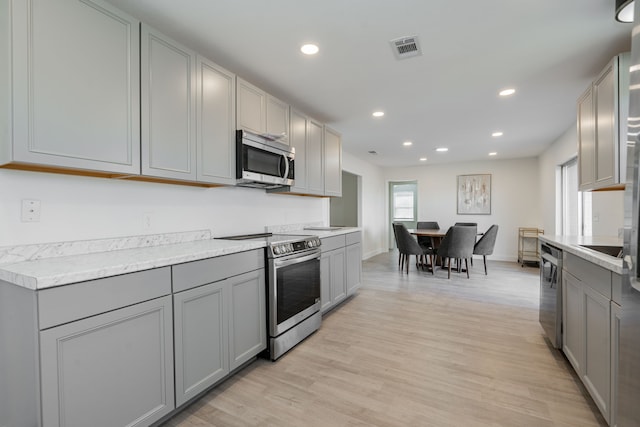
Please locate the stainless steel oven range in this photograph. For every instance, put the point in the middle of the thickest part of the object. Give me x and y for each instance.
(293, 289)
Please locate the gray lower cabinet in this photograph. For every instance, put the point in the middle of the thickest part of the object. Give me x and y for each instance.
(616, 312)
(220, 318)
(201, 336)
(588, 328)
(354, 262)
(573, 321)
(111, 369)
(340, 268)
(247, 328)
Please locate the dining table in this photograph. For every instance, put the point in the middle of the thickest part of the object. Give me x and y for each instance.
(436, 235)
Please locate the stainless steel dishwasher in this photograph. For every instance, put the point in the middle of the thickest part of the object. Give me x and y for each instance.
(551, 293)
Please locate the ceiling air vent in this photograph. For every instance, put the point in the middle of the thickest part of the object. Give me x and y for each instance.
(406, 47)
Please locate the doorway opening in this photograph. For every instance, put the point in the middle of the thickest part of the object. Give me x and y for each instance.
(403, 206)
(345, 211)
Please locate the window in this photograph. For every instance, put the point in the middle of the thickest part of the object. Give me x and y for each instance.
(576, 205)
(404, 202)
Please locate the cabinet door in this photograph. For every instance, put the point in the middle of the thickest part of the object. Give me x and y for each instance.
(201, 337)
(573, 321)
(338, 276)
(251, 107)
(278, 118)
(216, 122)
(332, 163)
(597, 357)
(354, 267)
(605, 97)
(586, 141)
(298, 140)
(248, 321)
(168, 107)
(315, 158)
(76, 85)
(616, 312)
(113, 369)
(325, 281)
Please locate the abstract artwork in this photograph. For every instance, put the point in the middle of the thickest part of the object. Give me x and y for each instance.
(474, 194)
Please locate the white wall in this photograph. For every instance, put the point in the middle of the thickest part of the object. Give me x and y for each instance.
(607, 207)
(372, 209)
(514, 197)
(82, 208)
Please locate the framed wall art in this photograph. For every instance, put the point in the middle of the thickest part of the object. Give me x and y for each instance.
(474, 194)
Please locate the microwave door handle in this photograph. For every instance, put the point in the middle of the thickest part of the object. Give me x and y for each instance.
(286, 166)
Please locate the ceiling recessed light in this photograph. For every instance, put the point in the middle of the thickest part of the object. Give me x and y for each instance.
(493, 153)
(378, 113)
(309, 49)
(407, 143)
(423, 159)
(507, 92)
(442, 149)
(497, 134)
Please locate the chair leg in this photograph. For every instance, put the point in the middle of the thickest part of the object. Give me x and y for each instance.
(449, 276)
(484, 257)
(433, 266)
(466, 264)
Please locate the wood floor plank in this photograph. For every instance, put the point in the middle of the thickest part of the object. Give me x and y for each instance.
(413, 350)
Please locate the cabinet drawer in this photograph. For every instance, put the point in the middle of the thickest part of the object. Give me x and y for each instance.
(353, 238)
(198, 273)
(589, 273)
(331, 243)
(79, 300)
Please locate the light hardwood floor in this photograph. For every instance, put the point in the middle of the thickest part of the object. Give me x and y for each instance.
(413, 350)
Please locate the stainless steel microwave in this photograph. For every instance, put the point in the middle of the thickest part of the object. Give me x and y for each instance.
(262, 162)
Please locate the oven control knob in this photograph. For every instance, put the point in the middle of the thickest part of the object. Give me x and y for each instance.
(290, 247)
(276, 250)
(309, 243)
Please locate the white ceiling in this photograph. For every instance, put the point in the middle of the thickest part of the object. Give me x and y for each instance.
(548, 50)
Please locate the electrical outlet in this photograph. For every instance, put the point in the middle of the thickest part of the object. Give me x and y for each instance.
(30, 210)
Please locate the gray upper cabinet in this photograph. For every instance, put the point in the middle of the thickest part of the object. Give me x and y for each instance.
(261, 113)
(602, 132)
(278, 118)
(251, 107)
(332, 163)
(216, 123)
(315, 158)
(75, 82)
(586, 141)
(168, 107)
(298, 140)
(307, 139)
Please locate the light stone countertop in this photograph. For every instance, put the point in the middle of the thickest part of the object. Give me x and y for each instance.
(44, 266)
(572, 244)
(63, 270)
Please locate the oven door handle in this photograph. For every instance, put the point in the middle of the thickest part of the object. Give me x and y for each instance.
(289, 262)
